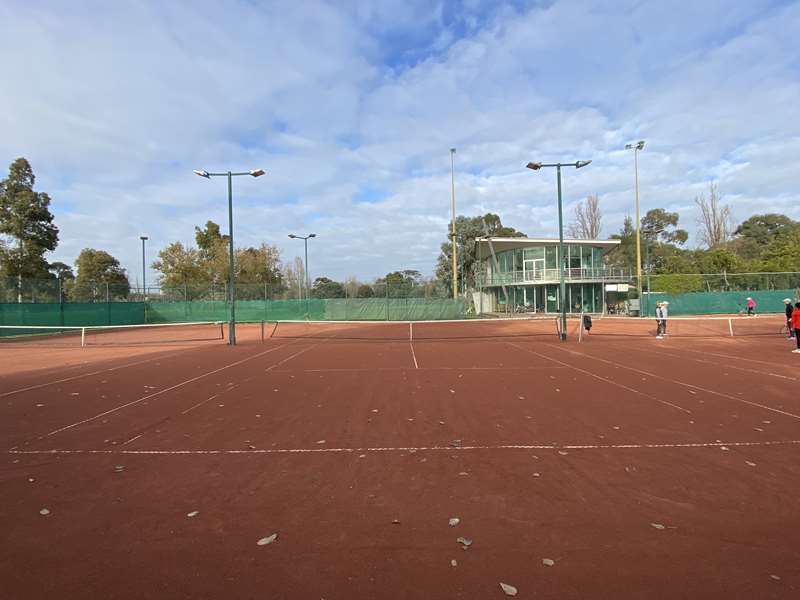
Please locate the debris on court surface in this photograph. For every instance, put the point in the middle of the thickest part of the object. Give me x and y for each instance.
(775, 577)
(454, 563)
(119, 468)
(758, 428)
(194, 513)
(658, 526)
(548, 562)
(536, 475)
(31, 480)
(362, 456)
(463, 473)
(441, 422)
(509, 590)
(452, 391)
(395, 521)
(267, 540)
(456, 443)
(374, 410)
(75, 394)
(466, 542)
(454, 521)
(724, 448)
(39, 405)
(750, 463)
(44, 512)
(563, 452)
(320, 441)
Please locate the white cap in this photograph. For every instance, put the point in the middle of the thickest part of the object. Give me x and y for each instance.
(787, 301)
(749, 298)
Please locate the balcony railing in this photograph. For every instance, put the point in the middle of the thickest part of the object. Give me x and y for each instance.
(552, 276)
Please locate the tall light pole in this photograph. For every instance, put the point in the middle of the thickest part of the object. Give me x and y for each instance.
(636, 148)
(144, 238)
(232, 279)
(649, 234)
(561, 254)
(453, 223)
(308, 281)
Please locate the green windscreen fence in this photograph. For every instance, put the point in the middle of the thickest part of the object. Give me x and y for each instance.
(350, 309)
(75, 314)
(709, 303)
(135, 313)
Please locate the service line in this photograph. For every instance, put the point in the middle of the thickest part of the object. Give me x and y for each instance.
(388, 449)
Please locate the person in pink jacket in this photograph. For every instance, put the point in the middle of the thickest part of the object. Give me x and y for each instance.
(751, 306)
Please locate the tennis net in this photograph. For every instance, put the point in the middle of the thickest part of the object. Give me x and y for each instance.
(110, 335)
(701, 327)
(403, 331)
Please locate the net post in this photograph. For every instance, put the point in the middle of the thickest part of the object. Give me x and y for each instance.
(580, 328)
(83, 337)
(730, 327)
(262, 332)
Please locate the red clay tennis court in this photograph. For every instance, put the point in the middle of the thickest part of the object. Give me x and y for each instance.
(327, 460)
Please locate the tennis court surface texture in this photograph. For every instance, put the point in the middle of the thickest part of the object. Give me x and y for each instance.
(331, 461)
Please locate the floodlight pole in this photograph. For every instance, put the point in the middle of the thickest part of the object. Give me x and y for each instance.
(453, 225)
(636, 148)
(561, 254)
(307, 278)
(561, 283)
(232, 276)
(144, 238)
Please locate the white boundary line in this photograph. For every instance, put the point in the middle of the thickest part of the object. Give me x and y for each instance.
(367, 370)
(41, 385)
(158, 393)
(763, 362)
(603, 379)
(683, 383)
(716, 364)
(413, 355)
(631, 446)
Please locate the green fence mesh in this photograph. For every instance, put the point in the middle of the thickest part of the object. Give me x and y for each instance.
(77, 314)
(709, 303)
(134, 313)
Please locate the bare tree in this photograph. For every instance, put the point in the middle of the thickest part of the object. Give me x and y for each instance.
(715, 221)
(587, 220)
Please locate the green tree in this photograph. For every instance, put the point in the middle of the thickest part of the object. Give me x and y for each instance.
(327, 288)
(467, 230)
(756, 233)
(61, 270)
(25, 219)
(100, 276)
(365, 291)
(182, 269)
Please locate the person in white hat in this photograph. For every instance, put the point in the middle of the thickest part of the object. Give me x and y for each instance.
(661, 320)
(789, 308)
(751, 306)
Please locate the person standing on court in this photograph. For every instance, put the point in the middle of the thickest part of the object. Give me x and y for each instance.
(796, 325)
(660, 323)
(751, 306)
(789, 311)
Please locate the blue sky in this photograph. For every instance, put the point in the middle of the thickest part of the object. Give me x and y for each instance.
(352, 107)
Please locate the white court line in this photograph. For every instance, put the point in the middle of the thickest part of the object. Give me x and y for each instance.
(604, 379)
(41, 385)
(158, 393)
(425, 448)
(716, 364)
(133, 439)
(413, 355)
(683, 383)
(367, 369)
(764, 362)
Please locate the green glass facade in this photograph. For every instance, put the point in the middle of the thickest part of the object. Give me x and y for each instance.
(530, 276)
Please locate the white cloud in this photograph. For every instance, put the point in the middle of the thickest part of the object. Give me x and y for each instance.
(115, 104)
